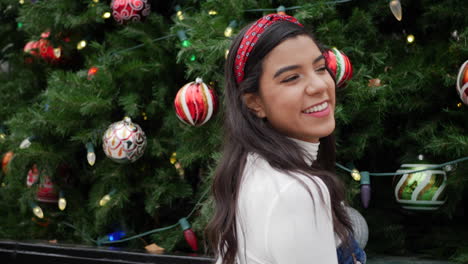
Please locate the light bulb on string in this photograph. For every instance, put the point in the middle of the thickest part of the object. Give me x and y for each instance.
(356, 175)
(410, 38)
(395, 7)
(21, 2)
(459, 105)
(176, 164)
(106, 15)
(92, 71)
(81, 45)
(57, 52)
(96, 1)
(91, 156)
(62, 202)
(281, 10)
(179, 13)
(365, 189)
(20, 25)
(26, 143)
(37, 211)
(230, 28)
(2, 133)
(106, 198)
(188, 233)
(212, 12)
(183, 39)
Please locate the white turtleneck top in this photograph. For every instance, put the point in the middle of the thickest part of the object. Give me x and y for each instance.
(278, 222)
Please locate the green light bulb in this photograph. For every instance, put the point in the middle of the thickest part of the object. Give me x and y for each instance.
(193, 58)
(20, 25)
(186, 43)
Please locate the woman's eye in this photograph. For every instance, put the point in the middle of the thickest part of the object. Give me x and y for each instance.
(290, 79)
(323, 68)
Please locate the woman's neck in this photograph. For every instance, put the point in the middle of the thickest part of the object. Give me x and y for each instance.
(310, 148)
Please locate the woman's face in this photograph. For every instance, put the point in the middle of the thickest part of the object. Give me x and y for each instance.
(297, 94)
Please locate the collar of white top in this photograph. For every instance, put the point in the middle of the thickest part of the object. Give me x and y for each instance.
(310, 148)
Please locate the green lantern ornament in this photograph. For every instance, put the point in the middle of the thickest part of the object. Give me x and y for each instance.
(421, 191)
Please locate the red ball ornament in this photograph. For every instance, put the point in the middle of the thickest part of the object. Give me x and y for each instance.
(462, 82)
(46, 191)
(125, 11)
(42, 48)
(339, 64)
(195, 103)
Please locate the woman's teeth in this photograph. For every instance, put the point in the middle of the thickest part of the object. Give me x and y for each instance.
(317, 108)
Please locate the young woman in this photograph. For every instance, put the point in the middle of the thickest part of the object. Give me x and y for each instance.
(277, 199)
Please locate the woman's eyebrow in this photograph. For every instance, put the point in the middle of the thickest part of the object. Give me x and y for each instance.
(318, 59)
(285, 69)
(292, 67)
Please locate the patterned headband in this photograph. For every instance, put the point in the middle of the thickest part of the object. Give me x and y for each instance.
(250, 39)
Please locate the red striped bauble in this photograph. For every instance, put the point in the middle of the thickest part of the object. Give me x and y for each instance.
(340, 65)
(125, 11)
(195, 103)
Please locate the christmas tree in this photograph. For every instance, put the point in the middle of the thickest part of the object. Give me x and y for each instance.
(70, 69)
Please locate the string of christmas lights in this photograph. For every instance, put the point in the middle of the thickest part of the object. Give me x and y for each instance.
(182, 222)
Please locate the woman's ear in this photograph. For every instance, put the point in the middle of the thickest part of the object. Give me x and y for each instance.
(255, 104)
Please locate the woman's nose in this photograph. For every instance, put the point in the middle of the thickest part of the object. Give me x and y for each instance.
(316, 84)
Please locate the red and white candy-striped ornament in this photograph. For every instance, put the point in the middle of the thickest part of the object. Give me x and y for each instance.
(124, 141)
(46, 192)
(462, 82)
(195, 103)
(340, 65)
(44, 49)
(125, 11)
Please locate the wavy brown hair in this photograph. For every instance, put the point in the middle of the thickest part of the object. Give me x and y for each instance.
(246, 133)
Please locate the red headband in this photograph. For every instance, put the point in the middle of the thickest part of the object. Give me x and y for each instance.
(250, 39)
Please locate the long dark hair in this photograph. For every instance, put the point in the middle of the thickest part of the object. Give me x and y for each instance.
(246, 133)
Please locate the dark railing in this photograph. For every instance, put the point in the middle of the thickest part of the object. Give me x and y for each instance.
(27, 252)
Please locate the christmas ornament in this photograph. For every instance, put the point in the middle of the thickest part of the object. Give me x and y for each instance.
(339, 64)
(423, 190)
(46, 192)
(359, 224)
(42, 48)
(124, 141)
(189, 234)
(125, 11)
(195, 103)
(462, 82)
(6, 160)
(395, 7)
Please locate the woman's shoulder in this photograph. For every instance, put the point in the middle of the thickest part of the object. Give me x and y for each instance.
(261, 179)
